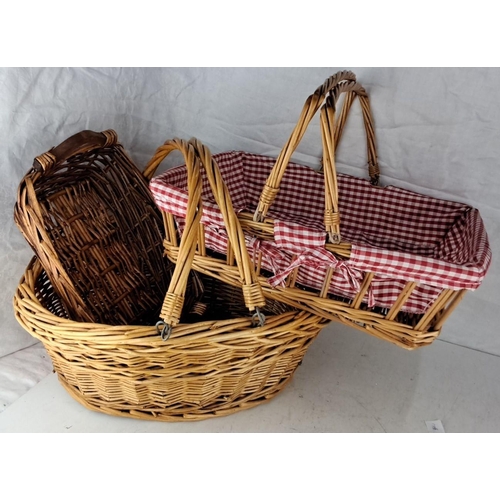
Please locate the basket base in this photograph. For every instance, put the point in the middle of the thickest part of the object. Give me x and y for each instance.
(182, 414)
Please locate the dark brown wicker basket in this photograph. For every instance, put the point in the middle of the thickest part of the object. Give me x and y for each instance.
(87, 212)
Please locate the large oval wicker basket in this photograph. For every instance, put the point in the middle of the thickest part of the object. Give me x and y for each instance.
(220, 363)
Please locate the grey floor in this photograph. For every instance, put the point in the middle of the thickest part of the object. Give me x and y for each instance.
(348, 382)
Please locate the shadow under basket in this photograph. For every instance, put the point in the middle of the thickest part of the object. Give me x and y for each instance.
(207, 368)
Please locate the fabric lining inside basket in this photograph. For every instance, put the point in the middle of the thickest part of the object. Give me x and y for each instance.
(397, 234)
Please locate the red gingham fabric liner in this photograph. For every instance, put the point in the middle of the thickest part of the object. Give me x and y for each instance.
(397, 234)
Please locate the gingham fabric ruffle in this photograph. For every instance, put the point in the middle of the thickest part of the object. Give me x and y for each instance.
(396, 234)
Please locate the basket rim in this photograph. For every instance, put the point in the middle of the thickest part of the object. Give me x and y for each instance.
(25, 299)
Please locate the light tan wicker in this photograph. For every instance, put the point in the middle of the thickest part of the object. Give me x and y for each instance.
(221, 363)
(392, 323)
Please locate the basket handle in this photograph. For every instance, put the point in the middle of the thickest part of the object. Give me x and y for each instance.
(82, 142)
(195, 153)
(252, 291)
(341, 82)
(331, 137)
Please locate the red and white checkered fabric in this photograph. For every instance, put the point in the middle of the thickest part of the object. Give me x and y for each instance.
(396, 234)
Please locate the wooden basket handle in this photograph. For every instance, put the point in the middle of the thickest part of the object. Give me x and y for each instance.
(325, 97)
(82, 142)
(196, 154)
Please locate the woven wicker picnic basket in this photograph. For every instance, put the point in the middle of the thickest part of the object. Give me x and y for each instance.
(211, 359)
(388, 261)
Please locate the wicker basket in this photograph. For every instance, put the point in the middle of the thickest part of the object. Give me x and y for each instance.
(89, 216)
(223, 361)
(394, 266)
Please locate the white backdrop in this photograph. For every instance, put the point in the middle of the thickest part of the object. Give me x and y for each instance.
(437, 133)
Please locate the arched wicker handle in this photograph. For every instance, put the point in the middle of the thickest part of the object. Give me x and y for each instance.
(341, 82)
(252, 291)
(195, 153)
(82, 142)
(331, 132)
(351, 93)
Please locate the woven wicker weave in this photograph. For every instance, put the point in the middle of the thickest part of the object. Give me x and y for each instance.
(87, 212)
(221, 362)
